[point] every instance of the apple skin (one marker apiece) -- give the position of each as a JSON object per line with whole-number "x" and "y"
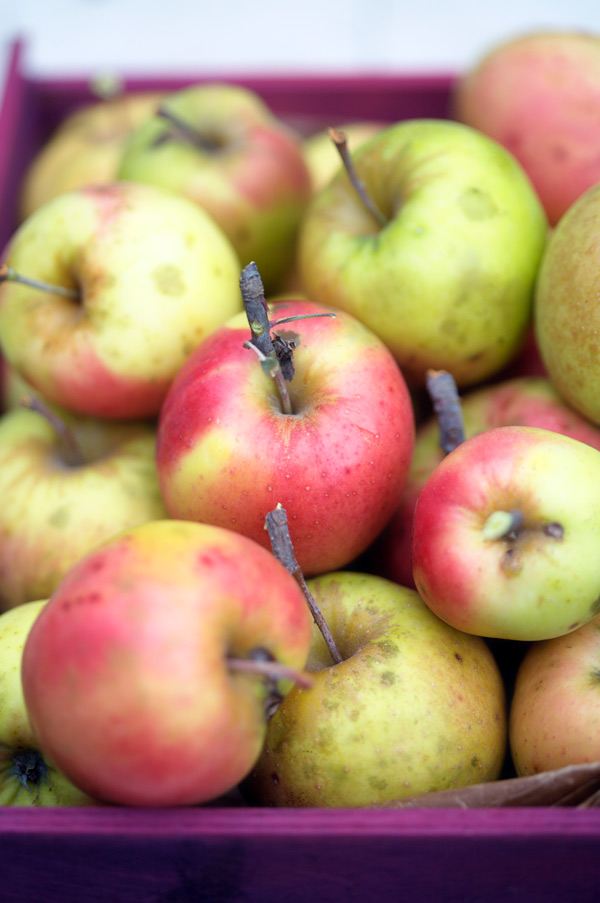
{"x": 554, "y": 718}
{"x": 537, "y": 582}
{"x": 52, "y": 512}
{"x": 85, "y": 148}
{"x": 125, "y": 673}
{"x": 227, "y": 454}
{"x": 322, "y": 157}
{"x": 566, "y": 315}
{"x": 521, "y": 401}
{"x": 156, "y": 276}
{"x": 447, "y": 283}
{"x": 40, "y": 784}
{"x": 415, "y": 706}
{"x": 538, "y": 94}
{"x": 252, "y": 178}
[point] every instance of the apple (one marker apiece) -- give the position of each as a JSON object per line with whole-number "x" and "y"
{"x": 538, "y": 94}
{"x": 133, "y": 674}
{"x": 150, "y": 274}
{"x": 444, "y": 275}
{"x": 26, "y": 778}
{"x": 555, "y": 706}
{"x": 66, "y": 486}
{"x": 220, "y": 145}
{"x": 506, "y": 535}
{"x": 85, "y": 148}
{"x": 321, "y": 156}
{"x": 413, "y": 707}
{"x": 337, "y": 460}
{"x": 566, "y": 316}
{"x": 521, "y": 401}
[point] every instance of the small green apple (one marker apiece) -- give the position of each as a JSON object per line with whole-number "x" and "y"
{"x": 414, "y": 706}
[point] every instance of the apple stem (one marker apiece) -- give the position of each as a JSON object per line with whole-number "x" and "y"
{"x": 71, "y": 451}
{"x": 340, "y": 140}
{"x": 185, "y": 132}
{"x": 448, "y": 409}
{"x": 8, "y": 274}
{"x": 271, "y": 367}
{"x": 501, "y": 524}
{"x": 281, "y": 542}
{"x": 272, "y": 670}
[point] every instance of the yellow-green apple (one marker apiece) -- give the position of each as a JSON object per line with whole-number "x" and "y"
{"x": 566, "y": 311}
{"x": 65, "y": 488}
{"x": 150, "y": 274}
{"x": 413, "y": 707}
{"x": 521, "y": 401}
{"x": 445, "y": 274}
{"x": 85, "y": 148}
{"x": 538, "y": 94}
{"x": 138, "y": 674}
{"x": 554, "y": 716}
{"x": 222, "y": 146}
{"x": 228, "y": 453}
{"x": 506, "y": 534}
{"x": 26, "y": 778}
{"x": 321, "y": 155}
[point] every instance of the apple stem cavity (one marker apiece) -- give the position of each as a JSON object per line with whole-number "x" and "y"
{"x": 272, "y": 368}
{"x": 340, "y": 140}
{"x": 261, "y": 662}
{"x": 29, "y": 766}
{"x": 276, "y": 523}
{"x": 443, "y": 393}
{"x": 8, "y": 274}
{"x": 71, "y": 453}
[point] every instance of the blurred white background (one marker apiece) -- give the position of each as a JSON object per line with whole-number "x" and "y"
{"x": 70, "y": 37}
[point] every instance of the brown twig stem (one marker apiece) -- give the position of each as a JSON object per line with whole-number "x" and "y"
{"x": 340, "y": 140}
{"x": 448, "y": 409}
{"x": 281, "y": 544}
{"x": 72, "y": 454}
{"x": 8, "y": 274}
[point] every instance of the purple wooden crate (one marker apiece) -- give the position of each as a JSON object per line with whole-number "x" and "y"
{"x": 236, "y": 854}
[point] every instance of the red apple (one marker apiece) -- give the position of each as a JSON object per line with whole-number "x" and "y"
{"x": 539, "y": 95}
{"x": 522, "y": 401}
{"x": 227, "y": 453}
{"x": 131, "y": 673}
{"x": 506, "y": 536}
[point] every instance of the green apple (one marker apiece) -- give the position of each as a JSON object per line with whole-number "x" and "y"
{"x": 220, "y": 145}
{"x": 85, "y": 148}
{"x": 26, "y": 777}
{"x": 554, "y": 717}
{"x": 566, "y": 310}
{"x": 445, "y": 275}
{"x": 414, "y": 706}
{"x": 150, "y": 273}
{"x": 60, "y": 501}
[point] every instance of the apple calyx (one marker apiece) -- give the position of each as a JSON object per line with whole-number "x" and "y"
{"x": 180, "y": 130}
{"x": 443, "y": 393}
{"x": 340, "y": 139}
{"x": 8, "y": 274}
{"x": 275, "y": 353}
{"x": 29, "y": 767}
{"x": 276, "y": 523}
{"x": 263, "y": 664}
{"x": 70, "y": 450}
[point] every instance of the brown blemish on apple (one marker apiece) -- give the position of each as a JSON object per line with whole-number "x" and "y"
{"x": 168, "y": 279}
{"x": 511, "y": 562}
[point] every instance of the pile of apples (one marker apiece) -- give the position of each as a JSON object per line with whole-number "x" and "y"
{"x": 300, "y": 435}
